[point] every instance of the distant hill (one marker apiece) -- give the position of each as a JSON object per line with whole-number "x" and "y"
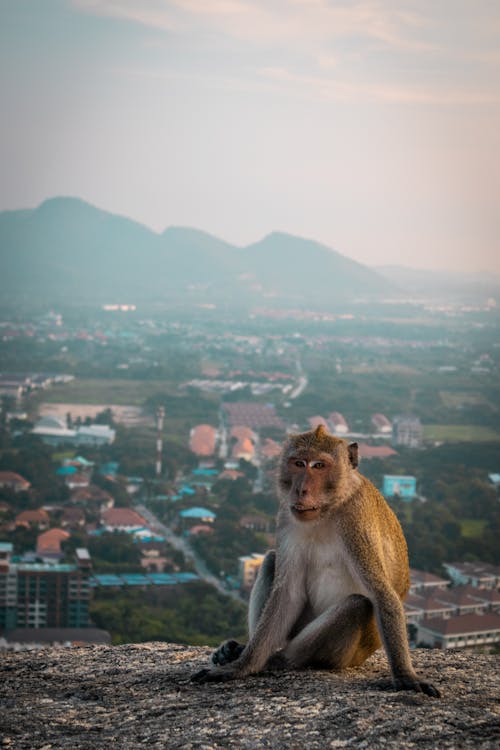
{"x": 68, "y": 250}
{"x": 472, "y": 287}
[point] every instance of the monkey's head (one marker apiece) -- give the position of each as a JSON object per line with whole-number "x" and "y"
{"x": 315, "y": 473}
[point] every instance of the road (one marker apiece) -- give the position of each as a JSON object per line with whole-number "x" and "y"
{"x": 181, "y": 543}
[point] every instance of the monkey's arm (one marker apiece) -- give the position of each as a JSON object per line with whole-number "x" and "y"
{"x": 281, "y": 612}
{"x": 389, "y": 613}
{"x": 392, "y": 627}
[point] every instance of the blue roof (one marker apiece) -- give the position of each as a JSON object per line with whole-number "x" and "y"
{"x": 187, "y": 490}
{"x": 140, "y": 579}
{"x": 197, "y": 513}
{"x": 205, "y": 472}
{"x": 63, "y": 471}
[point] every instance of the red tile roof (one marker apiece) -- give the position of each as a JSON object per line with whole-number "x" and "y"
{"x": 50, "y": 541}
{"x": 375, "y": 451}
{"x": 12, "y": 479}
{"x": 122, "y": 517}
{"x": 32, "y": 516}
{"x": 462, "y": 624}
{"x": 203, "y": 439}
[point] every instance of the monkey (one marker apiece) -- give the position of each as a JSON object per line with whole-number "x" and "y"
{"x": 331, "y": 592}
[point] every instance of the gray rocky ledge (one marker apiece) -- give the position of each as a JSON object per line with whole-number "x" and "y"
{"x": 140, "y": 695}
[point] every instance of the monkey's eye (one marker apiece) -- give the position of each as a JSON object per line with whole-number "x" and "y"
{"x": 318, "y": 465}
{"x": 301, "y": 464}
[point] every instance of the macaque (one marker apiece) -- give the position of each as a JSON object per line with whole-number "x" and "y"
{"x": 331, "y": 593}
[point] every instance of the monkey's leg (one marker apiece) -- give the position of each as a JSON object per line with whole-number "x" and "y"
{"x": 343, "y": 635}
{"x": 231, "y": 650}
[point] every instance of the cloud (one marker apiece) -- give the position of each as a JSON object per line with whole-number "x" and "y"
{"x": 303, "y": 22}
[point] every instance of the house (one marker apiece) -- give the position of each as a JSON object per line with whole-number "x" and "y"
{"x": 375, "y": 451}
{"x": 462, "y": 601}
{"x": 28, "y": 518}
{"x": 48, "y": 544}
{"x": 201, "y": 515}
{"x": 460, "y": 631}
{"x": 421, "y": 582}
{"x": 122, "y": 519}
{"x": 77, "y": 481}
{"x": 337, "y": 423}
{"x": 381, "y": 424}
{"x": 202, "y": 440}
{"x": 243, "y": 440}
{"x": 316, "y": 422}
{"x": 13, "y": 481}
{"x": 93, "y": 495}
{"x": 479, "y": 574}
{"x": 270, "y": 449}
{"x": 73, "y": 518}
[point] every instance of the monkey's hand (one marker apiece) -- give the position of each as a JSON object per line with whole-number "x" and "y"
{"x": 219, "y": 674}
{"x": 409, "y": 683}
{"x": 227, "y": 652}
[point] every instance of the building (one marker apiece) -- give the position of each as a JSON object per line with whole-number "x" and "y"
{"x": 248, "y": 567}
{"x": 317, "y": 421}
{"x": 375, "y": 451}
{"x": 28, "y": 518}
{"x": 201, "y": 515}
{"x": 337, "y": 423}
{"x": 54, "y": 431}
{"x": 407, "y": 430}
{"x": 254, "y": 415}
{"x": 203, "y": 440}
{"x": 404, "y": 487}
{"x": 382, "y": 425}
{"x": 122, "y": 519}
{"x": 461, "y": 631}
{"x": 422, "y": 582}
{"x": 44, "y": 595}
{"x": 478, "y": 574}
{"x": 13, "y": 481}
{"x": 48, "y": 544}
{"x": 242, "y": 441}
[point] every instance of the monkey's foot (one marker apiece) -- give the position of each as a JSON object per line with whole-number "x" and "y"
{"x": 418, "y": 686}
{"x": 227, "y": 652}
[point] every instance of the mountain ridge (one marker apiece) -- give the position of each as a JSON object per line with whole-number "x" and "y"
{"x": 67, "y": 248}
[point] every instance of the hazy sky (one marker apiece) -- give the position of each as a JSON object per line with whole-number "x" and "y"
{"x": 371, "y": 126}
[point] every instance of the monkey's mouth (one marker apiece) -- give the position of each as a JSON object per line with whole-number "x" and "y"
{"x": 305, "y": 513}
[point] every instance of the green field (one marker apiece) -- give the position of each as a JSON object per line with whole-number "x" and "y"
{"x": 472, "y": 527}
{"x": 113, "y": 391}
{"x": 459, "y": 433}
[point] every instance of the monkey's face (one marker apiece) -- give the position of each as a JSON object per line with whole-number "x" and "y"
{"x": 307, "y": 481}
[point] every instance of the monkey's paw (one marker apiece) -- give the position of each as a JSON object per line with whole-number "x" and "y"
{"x": 417, "y": 686}
{"x": 227, "y": 652}
{"x": 213, "y": 675}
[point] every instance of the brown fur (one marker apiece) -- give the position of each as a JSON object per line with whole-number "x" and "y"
{"x": 332, "y": 591}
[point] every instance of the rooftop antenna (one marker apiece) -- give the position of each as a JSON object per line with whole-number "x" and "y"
{"x": 160, "y": 416}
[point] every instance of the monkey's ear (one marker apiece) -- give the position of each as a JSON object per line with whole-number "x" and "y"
{"x": 353, "y": 454}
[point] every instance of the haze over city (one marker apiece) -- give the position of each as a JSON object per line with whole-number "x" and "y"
{"x": 373, "y": 127}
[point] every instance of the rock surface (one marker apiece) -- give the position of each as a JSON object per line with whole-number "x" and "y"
{"x": 140, "y": 695}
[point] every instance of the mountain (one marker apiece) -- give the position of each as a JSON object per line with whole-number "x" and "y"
{"x": 68, "y": 250}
